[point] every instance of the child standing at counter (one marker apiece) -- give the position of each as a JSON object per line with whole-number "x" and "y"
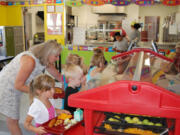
{"x": 42, "y": 107}
{"x": 121, "y": 43}
{"x": 74, "y": 76}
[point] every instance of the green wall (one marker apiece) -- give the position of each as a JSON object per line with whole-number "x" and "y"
{"x": 85, "y": 54}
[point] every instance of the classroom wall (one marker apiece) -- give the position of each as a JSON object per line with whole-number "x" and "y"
{"x": 134, "y": 13}
{"x": 59, "y": 38}
{"x": 36, "y": 27}
{"x": 178, "y": 9}
{"x": 85, "y": 16}
{"x": 10, "y": 16}
{"x": 3, "y": 15}
{"x": 157, "y": 10}
{"x": 14, "y": 16}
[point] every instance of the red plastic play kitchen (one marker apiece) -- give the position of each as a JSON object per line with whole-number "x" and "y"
{"x": 133, "y": 105}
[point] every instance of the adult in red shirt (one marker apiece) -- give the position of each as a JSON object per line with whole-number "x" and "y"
{"x": 117, "y": 28}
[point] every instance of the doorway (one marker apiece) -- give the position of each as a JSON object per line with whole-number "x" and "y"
{"x": 33, "y": 25}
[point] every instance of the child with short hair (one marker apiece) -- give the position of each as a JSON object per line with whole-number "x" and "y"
{"x": 74, "y": 76}
{"x": 42, "y": 104}
{"x": 77, "y": 60}
{"x": 121, "y": 43}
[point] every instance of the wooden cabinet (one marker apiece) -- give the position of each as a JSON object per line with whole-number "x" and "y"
{"x": 152, "y": 27}
{"x": 14, "y": 40}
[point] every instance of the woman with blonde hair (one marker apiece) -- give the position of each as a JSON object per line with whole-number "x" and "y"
{"x": 16, "y": 76}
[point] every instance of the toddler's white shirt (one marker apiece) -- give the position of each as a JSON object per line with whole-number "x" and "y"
{"x": 39, "y": 111}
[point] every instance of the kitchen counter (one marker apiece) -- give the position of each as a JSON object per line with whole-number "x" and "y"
{"x": 96, "y": 43}
{"x": 4, "y": 60}
{"x": 161, "y": 45}
{"x": 166, "y": 45}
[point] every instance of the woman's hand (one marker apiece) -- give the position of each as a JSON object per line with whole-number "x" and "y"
{"x": 40, "y": 130}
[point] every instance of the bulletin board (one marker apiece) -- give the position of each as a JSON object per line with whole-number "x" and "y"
{"x": 54, "y": 24}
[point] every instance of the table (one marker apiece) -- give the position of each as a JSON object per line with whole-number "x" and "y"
{"x": 4, "y": 60}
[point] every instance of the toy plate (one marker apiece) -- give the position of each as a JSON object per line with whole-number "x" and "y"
{"x": 57, "y": 130}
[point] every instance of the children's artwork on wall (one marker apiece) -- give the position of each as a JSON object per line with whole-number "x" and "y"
{"x": 49, "y": 1}
{"x": 121, "y": 2}
{"x": 75, "y": 48}
{"x": 59, "y": 8}
{"x": 171, "y": 2}
{"x": 90, "y": 48}
{"x": 50, "y": 9}
{"x": 54, "y": 23}
{"x": 85, "y": 48}
{"x": 10, "y": 3}
{"x": 74, "y": 3}
{"x": 70, "y": 48}
{"x": 59, "y": 1}
{"x": 95, "y": 2}
{"x": 144, "y": 2}
{"x": 39, "y": 1}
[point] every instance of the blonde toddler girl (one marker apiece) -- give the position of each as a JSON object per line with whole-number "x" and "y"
{"x": 42, "y": 108}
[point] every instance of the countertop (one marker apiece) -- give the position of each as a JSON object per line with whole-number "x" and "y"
{"x": 161, "y": 45}
{"x": 96, "y": 43}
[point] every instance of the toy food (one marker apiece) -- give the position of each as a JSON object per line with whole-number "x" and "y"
{"x": 139, "y": 131}
{"x": 58, "y": 122}
{"x": 107, "y": 126}
{"x": 58, "y": 90}
{"x": 64, "y": 116}
{"x": 112, "y": 119}
{"x": 51, "y": 123}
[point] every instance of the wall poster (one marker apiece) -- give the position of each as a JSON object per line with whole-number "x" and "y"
{"x": 54, "y": 23}
{"x": 50, "y": 9}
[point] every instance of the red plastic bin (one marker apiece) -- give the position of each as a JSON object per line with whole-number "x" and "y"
{"x": 128, "y": 97}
